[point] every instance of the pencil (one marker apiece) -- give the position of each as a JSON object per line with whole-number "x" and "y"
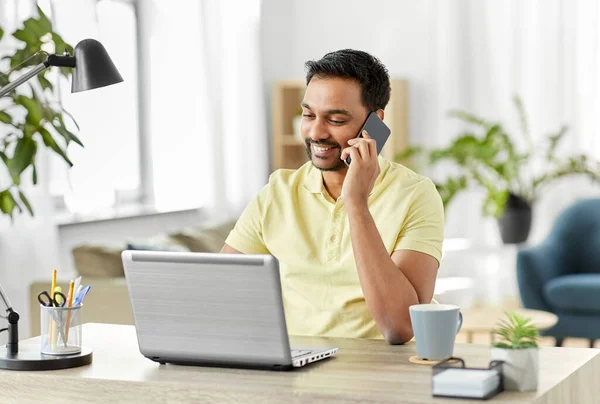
{"x": 51, "y": 328}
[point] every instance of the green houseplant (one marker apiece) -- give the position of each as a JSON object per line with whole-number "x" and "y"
{"x": 33, "y": 114}
{"x": 487, "y": 157}
{"x": 518, "y": 349}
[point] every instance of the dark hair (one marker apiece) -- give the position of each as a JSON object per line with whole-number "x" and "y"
{"x": 370, "y": 73}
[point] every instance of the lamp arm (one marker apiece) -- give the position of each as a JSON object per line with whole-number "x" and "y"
{"x": 65, "y": 60}
{"x": 13, "y": 325}
{"x": 22, "y": 79}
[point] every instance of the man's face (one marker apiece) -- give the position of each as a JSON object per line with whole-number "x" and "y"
{"x": 332, "y": 114}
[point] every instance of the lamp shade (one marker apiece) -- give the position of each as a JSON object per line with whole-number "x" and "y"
{"x": 93, "y": 67}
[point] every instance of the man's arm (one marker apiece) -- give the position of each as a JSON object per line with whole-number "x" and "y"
{"x": 227, "y": 249}
{"x": 247, "y": 235}
{"x": 390, "y": 284}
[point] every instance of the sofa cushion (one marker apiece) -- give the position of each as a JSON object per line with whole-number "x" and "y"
{"x": 574, "y": 293}
{"x": 98, "y": 261}
{"x": 160, "y": 242}
{"x": 204, "y": 239}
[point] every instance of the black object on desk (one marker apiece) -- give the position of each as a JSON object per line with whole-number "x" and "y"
{"x": 453, "y": 379}
{"x": 28, "y": 356}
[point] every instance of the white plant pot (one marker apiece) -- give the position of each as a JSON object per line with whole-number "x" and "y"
{"x": 520, "y": 368}
{"x": 297, "y": 121}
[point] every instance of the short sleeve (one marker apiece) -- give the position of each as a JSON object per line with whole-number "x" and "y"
{"x": 423, "y": 229}
{"x": 247, "y": 234}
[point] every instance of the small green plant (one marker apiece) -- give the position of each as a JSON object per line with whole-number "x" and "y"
{"x": 516, "y": 332}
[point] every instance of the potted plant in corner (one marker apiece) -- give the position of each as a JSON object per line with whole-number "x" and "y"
{"x": 33, "y": 116}
{"x": 518, "y": 349}
{"x": 488, "y": 158}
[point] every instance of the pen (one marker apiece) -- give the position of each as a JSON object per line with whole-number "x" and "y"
{"x": 81, "y": 296}
{"x": 77, "y": 285}
{"x": 70, "y": 304}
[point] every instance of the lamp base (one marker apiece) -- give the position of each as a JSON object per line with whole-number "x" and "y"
{"x": 30, "y": 358}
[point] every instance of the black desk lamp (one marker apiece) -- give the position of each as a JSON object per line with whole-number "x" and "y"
{"x": 92, "y": 68}
{"x": 13, "y": 328}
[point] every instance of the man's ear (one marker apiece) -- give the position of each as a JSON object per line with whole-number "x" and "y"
{"x": 379, "y": 113}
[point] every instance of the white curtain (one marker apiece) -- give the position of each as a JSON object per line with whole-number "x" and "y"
{"x": 546, "y": 51}
{"x": 207, "y": 109}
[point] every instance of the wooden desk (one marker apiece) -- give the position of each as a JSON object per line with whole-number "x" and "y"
{"x": 363, "y": 371}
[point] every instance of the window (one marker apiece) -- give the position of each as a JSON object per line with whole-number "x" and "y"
{"x": 107, "y": 170}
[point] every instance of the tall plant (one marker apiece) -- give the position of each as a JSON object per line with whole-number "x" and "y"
{"x": 31, "y": 116}
{"x": 487, "y": 157}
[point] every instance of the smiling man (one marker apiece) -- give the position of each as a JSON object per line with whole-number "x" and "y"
{"x": 356, "y": 245}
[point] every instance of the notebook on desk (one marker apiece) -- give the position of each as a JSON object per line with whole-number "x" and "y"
{"x": 212, "y": 309}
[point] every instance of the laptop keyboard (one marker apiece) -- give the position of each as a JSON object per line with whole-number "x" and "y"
{"x": 299, "y": 352}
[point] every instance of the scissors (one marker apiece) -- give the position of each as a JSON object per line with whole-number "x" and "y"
{"x": 59, "y": 299}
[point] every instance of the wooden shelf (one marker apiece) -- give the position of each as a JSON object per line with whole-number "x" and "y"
{"x": 287, "y": 96}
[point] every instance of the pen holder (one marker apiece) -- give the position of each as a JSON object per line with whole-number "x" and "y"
{"x": 61, "y": 330}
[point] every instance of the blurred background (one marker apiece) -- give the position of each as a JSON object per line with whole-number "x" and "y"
{"x": 497, "y": 101}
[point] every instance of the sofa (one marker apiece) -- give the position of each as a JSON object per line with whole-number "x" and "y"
{"x": 101, "y": 267}
{"x": 562, "y": 274}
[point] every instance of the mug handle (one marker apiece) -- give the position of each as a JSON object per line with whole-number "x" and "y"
{"x": 460, "y": 321}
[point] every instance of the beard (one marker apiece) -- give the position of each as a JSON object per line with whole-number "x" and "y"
{"x": 332, "y": 163}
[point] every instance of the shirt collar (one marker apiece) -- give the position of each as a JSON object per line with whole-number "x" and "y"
{"x": 313, "y": 182}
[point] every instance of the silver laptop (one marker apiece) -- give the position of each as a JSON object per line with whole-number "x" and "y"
{"x": 212, "y": 310}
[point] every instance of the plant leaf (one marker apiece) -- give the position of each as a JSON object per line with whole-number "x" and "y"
{"x": 23, "y": 58}
{"x": 68, "y": 136}
{"x": 26, "y": 35}
{"x": 67, "y": 113}
{"x": 34, "y": 174}
{"x": 451, "y": 188}
{"x": 5, "y": 160}
{"x": 409, "y": 152}
{"x": 468, "y": 117}
{"x": 45, "y": 23}
{"x": 26, "y": 202}
{"x": 44, "y": 82}
{"x": 554, "y": 141}
{"x": 5, "y": 118}
{"x": 516, "y": 331}
{"x": 1, "y": 33}
{"x": 7, "y": 202}
{"x": 60, "y": 47}
{"x": 23, "y": 157}
{"x": 50, "y": 142}
{"x": 34, "y": 110}
{"x": 522, "y": 115}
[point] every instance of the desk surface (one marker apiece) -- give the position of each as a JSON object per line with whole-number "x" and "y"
{"x": 363, "y": 371}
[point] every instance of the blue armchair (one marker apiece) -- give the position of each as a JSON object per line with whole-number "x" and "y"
{"x": 562, "y": 274}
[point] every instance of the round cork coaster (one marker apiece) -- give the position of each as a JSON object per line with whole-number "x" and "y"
{"x": 416, "y": 360}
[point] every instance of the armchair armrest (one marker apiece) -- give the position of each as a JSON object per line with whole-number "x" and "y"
{"x": 535, "y": 267}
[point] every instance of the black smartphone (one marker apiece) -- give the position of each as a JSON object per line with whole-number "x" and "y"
{"x": 377, "y": 129}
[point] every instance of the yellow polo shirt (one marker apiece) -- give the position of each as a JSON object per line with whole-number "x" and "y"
{"x": 295, "y": 219}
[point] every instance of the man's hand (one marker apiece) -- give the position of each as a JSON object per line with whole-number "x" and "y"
{"x": 363, "y": 171}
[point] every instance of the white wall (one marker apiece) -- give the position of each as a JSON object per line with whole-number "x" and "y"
{"x": 455, "y": 54}
{"x": 405, "y": 35}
